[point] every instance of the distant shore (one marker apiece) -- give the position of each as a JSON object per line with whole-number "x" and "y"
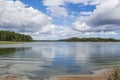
{"x": 75, "y": 39}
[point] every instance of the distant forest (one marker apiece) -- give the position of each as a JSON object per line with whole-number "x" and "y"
{"x": 75, "y": 39}
{"x": 12, "y": 36}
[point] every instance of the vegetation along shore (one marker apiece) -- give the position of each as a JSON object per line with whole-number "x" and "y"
{"x": 7, "y": 37}
{"x": 75, "y": 39}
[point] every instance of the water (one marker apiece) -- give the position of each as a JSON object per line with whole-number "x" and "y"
{"x": 40, "y": 60}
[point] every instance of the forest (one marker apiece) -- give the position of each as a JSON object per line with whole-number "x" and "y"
{"x": 13, "y": 36}
{"x": 75, "y": 39}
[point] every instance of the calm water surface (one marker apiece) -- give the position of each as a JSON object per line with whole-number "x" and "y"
{"x": 43, "y": 59}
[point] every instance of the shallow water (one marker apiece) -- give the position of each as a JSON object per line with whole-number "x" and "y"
{"x": 39, "y": 60}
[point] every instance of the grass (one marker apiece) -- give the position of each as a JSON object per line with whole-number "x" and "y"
{"x": 115, "y": 75}
{"x": 10, "y": 42}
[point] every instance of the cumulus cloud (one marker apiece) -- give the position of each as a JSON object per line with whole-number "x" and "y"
{"x": 53, "y": 32}
{"x": 53, "y": 2}
{"x": 109, "y": 12}
{"x": 85, "y": 13}
{"x": 80, "y": 26}
{"x": 105, "y": 17}
{"x": 17, "y": 16}
{"x": 58, "y": 7}
{"x": 14, "y": 15}
{"x": 55, "y": 7}
{"x": 108, "y": 33}
{"x": 57, "y": 11}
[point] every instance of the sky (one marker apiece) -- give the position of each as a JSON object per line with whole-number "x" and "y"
{"x": 61, "y": 19}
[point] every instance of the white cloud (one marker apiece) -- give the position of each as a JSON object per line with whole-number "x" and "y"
{"x": 62, "y": 2}
{"x": 14, "y": 15}
{"x": 57, "y": 11}
{"x": 60, "y": 5}
{"x": 54, "y": 7}
{"x": 85, "y": 2}
{"x": 102, "y": 21}
{"x": 106, "y": 13}
{"x": 105, "y": 17}
{"x": 96, "y": 2}
{"x": 57, "y": 7}
{"x": 48, "y": 29}
{"x": 53, "y": 2}
{"x": 55, "y": 32}
{"x": 108, "y": 33}
{"x": 80, "y": 26}
{"x": 85, "y": 13}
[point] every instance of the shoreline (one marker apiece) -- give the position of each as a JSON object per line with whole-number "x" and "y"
{"x": 101, "y": 74}
{"x": 10, "y": 42}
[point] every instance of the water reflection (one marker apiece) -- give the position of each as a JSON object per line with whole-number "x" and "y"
{"x": 10, "y": 52}
{"x": 7, "y": 51}
{"x": 44, "y": 59}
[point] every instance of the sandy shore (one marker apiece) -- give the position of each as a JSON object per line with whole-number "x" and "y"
{"x": 102, "y": 74}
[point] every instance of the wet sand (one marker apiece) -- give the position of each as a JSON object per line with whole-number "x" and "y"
{"x": 102, "y": 74}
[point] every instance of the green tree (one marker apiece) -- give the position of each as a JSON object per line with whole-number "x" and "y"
{"x": 12, "y": 36}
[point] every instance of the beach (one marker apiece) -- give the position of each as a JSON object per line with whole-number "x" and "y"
{"x": 102, "y": 74}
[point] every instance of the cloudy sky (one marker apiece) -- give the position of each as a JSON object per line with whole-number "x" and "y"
{"x": 58, "y": 19}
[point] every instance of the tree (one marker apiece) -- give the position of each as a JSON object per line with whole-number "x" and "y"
{"x": 12, "y": 36}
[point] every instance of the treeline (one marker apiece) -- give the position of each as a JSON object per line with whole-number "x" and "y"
{"x": 75, "y": 39}
{"x": 12, "y": 36}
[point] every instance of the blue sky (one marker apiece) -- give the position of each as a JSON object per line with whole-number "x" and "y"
{"x": 74, "y": 9}
{"x": 36, "y": 4}
{"x": 58, "y": 19}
